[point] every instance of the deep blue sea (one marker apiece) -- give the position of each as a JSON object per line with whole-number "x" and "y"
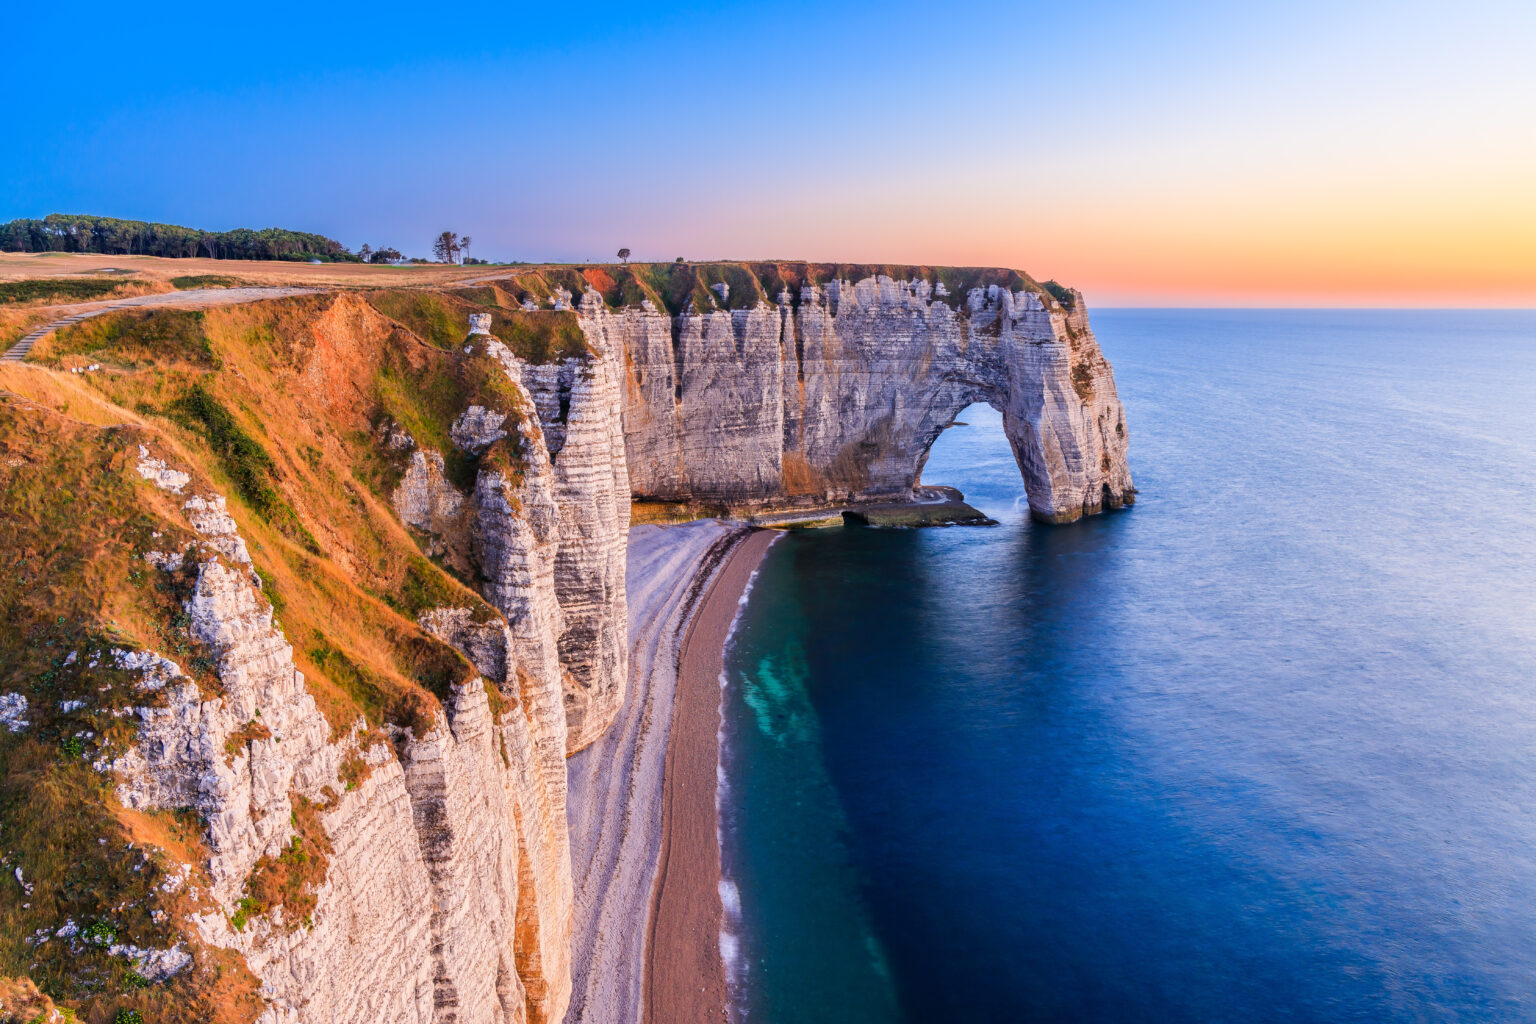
{"x": 1262, "y": 748}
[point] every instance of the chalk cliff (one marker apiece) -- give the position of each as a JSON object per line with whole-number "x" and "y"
{"x": 356, "y": 588}
{"x": 446, "y": 893}
{"x": 837, "y": 394}
{"x": 578, "y": 403}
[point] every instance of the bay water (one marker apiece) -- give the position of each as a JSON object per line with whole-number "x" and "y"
{"x": 1262, "y": 748}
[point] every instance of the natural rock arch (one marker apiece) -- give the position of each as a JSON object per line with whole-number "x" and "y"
{"x": 838, "y": 397}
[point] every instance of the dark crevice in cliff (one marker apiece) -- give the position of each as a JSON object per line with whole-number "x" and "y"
{"x": 739, "y": 330}
{"x": 794, "y": 321}
{"x": 677, "y": 358}
{"x": 426, "y": 786}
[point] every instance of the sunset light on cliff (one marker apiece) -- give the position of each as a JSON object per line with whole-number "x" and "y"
{"x": 770, "y": 512}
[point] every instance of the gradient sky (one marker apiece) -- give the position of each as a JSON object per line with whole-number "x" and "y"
{"x": 1209, "y": 153}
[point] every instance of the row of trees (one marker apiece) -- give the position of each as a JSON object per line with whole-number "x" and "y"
{"x": 62, "y": 232}
{"x": 59, "y": 232}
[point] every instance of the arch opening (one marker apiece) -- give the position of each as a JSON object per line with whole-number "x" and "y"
{"x": 973, "y": 455}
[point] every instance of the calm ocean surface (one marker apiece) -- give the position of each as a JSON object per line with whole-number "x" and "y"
{"x": 1262, "y": 748}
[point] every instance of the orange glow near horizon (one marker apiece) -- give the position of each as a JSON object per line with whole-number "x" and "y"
{"x": 1383, "y": 247}
{"x": 1178, "y": 154}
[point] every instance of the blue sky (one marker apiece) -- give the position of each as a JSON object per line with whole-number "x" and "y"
{"x": 1197, "y": 151}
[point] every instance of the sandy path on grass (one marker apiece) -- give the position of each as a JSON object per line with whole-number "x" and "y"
{"x": 192, "y": 298}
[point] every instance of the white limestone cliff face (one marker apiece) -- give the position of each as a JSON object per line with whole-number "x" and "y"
{"x": 580, "y": 438}
{"x": 839, "y": 397}
{"x": 515, "y": 534}
{"x": 547, "y": 539}
{"x": 594, "y": 518}
{"x": 182, "y": 760}
{"x": 448, "y": 891}
{"x": 424, "y": 498}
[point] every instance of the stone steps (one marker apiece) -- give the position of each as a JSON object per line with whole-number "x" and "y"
{"x": 17, "y": 352}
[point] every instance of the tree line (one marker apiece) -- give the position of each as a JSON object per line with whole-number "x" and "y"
{"x": 61, "y": 232}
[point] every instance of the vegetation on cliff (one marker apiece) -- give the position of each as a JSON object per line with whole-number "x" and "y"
{"x": 83, "y": 874}
{"x": 439, "y": 317}
{"x": 287, "y": 408}
{"x": 674, "y": 287}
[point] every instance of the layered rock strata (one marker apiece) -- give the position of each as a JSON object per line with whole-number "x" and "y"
{"x": 837, "y": 395}
{"x": 548, "y": 541}
{"x": 447, "y": 896}
{"x": 579, "y": 411}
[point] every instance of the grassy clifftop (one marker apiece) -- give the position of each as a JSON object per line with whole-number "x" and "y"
{"x": 672, "y": 286}
{"x": 284, "y": 407}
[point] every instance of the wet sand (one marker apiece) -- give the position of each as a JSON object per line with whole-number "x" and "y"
{"x": 685, "y": 976}
{"x": 619, "y": 786}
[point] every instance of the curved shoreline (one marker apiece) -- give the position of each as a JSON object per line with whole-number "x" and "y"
{"x": 625, "y": 822}
{"x": 685, "y": 980}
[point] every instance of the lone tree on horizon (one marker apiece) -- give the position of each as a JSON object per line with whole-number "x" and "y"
{"x": 624, "y": 255}
{"x": 448, "y": 246}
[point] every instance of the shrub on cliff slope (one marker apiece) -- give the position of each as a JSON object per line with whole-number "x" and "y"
{"x": 440, "y": 317}
{"x": 138, "y": 337}
{"x": 242, "y": 458}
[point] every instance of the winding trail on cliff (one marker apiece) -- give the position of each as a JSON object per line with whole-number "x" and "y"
{"x": 193, "y": 298}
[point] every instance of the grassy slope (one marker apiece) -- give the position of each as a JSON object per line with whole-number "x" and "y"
{"x": 280, "y": 406}
{"x": 55, "y": 291}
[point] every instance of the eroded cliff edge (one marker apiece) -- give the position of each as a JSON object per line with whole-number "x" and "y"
{"x": 311, "y": 598}
{"x": 836, "y": 394}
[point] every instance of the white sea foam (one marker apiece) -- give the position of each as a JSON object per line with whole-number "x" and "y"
{"x": 730, "y": 899}
{"x": 729, "y": 951}
{"x": 730, "y": 896}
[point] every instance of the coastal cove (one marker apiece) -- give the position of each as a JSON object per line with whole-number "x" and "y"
{"x": 1255, "y": 749}
{"x": 387, "y": 535}
{"x": 464, "y": 563}
{"x": 374, "y": 583}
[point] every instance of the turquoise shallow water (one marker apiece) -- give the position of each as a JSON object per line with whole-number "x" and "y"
{"x": 1261, "y": 748}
